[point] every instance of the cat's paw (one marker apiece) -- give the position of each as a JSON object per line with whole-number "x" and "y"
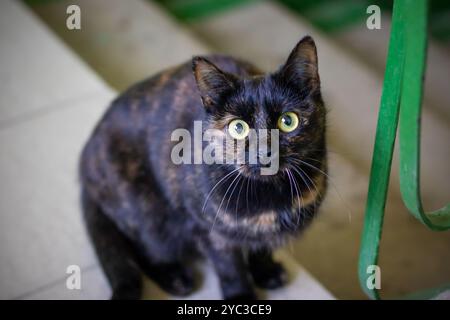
{"x": 241, "y": 296}
{"x": 175, "y": 279}
{"x": 271, "y": 276}
{"x": 127, "y": 291}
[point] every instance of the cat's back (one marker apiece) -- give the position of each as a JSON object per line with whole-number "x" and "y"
{"x": 175, "y": 89}
{"x": 151, "y": 109}
{"x": 170, "y": 97}
{"x": 158, "y": 105}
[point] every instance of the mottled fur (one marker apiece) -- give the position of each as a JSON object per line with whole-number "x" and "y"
{"x": 145, "y": 213}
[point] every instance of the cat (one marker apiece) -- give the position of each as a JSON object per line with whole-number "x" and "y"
{"x": 146, "y": 214}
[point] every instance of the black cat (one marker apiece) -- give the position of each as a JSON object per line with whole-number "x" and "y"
{"x": 146, "y": 213}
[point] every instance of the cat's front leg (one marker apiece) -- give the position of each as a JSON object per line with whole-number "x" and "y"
{"x": 230, "y": 266}
{"x": 266, "y": 272}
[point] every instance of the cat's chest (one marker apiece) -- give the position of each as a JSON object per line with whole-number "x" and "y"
{"x": 289, "y": 210}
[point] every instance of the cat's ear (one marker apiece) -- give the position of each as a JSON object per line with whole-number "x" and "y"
{"x": 212, "y": 82}
{"x": 302, "y": 67}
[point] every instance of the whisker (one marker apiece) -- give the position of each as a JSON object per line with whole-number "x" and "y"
{"x": 232, "y": 192}
{"x": 290, "y": 187}
{"x": 237, "y": 201}
{"x": 215, "y": 186}
{"x": 330, "y": 180}
{"x": 328, "y": 150}
{"x": 299, "y": 197}
{"x": 306, "y": 183}
{"x": 302, "y": 202}
{"x": 223, "y": 199}
{"x": 246, "y": 193}
{"x": 316, "y": 160}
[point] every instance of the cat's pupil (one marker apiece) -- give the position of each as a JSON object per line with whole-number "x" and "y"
{"x": 239, "y": 128}
{"x": 287, "y": 120}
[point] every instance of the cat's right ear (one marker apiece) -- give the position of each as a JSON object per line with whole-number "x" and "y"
{"x": 301, "y": 67}
{"x": 212, "y": 82}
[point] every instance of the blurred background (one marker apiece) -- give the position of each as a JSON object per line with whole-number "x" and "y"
{"x": 57, "y": 82}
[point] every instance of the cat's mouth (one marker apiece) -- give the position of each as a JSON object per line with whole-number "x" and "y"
{"x": 254, "y": 170}
{"x": 265, "y": 167}
{"x": 263, "y": 172}
{"x": 269, "y": 171}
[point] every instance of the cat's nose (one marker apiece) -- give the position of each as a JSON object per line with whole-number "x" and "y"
{"x": 264, "y": 158}
{"x": 266, "y": 154}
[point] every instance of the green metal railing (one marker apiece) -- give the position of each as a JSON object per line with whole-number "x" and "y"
{"x": 401, "y": 100}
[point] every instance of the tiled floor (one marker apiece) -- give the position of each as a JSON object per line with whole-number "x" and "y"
{"x": 48, "y": 108}
{"x": 22, "y": 45}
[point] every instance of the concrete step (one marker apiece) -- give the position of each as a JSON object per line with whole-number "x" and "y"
{"x": 123, "y": 42}
{"x": 301, "y": 286}
{"x": 41, "y": 227}
{"x": 19, "y": 37}
{"x": 50, "y": 103}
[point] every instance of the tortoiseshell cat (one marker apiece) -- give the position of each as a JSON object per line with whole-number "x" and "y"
{"x": 145, "y": 213}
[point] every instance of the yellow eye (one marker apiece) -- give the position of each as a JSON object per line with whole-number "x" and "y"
{"x": 238, "y": 129}
{"x": 288, "y": 122}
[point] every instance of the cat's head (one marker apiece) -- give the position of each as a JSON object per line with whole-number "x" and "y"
{"x": 288, "y": 100}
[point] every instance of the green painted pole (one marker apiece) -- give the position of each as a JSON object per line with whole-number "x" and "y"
{"x": 401, "y": 98}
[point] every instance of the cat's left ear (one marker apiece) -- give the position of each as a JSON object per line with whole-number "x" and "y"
{"x": 212, "y": 82}
{"x": 302, "y": 67}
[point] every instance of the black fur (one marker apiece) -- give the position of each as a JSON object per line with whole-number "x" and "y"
{"x": 145, "y": 214}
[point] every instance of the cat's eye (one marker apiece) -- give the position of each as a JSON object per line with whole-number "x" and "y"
{"x": 288, "y": 122}
{"x": 238, "y": 129}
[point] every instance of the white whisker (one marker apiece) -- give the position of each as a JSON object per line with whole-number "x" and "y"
{"x": 215, "y": 186}
{"x": 223, "y": 199}
{"x": 330, "y": 180}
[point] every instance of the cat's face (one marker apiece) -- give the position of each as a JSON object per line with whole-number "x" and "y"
{"x": 288, "y": 101}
